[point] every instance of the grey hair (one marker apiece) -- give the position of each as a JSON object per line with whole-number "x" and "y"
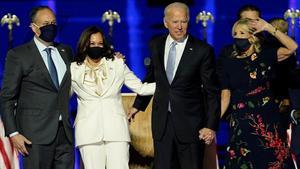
{"x": 177, "y": 5}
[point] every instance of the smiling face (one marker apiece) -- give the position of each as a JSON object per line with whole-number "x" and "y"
{"x": 176, "y": 21}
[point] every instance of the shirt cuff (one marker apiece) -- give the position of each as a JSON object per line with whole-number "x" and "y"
{"x": 294, "y": 121}
{"x": 13, "y": 134}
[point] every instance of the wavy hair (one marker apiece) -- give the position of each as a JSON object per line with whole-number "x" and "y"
{"x": 255, "y": 41}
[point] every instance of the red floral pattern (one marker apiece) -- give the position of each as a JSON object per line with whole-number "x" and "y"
{"x": 270, "y": 140}
{"x": 256, "y": 91}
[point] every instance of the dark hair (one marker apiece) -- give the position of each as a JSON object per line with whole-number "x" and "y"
{"x": 34, "y": 11}
{"x": 84, "y": 43}
{"x": 248, "y": 7}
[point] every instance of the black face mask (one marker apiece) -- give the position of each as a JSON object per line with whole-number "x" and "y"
{"x": 96, "y": 52}
{"x": 48, "y": 33}
{"x": 241, "y": 44}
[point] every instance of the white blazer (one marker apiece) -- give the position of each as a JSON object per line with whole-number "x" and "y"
{"x": 102, "y": 117}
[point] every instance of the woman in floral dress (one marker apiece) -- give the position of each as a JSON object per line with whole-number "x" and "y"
{"x": 257, "y": 141}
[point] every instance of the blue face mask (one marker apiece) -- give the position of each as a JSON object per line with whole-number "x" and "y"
{"x": 242, "y": 44}
{"x": 48, "y": 32}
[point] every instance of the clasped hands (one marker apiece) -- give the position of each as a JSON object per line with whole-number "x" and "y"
{"x": 207, "y": 135}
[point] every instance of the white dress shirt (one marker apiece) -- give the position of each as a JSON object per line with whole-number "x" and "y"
{"x": 179, "y": 51}
{"x": 56, "y": 57}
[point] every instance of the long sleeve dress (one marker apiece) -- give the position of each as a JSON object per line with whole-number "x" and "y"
{"x": 257, "y": 140}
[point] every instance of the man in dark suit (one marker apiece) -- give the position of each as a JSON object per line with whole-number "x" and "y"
{"x": 35, "y": 96}
{"x": 295, "y": 114}
{"x": 184, "y": 71}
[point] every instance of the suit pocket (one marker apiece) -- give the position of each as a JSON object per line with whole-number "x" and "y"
{"x": 31, "y": 112}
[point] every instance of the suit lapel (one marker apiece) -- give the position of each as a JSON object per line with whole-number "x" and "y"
{"x": 184, "y": 58}
{"x": 161, "y": 55}
{"x": 40, "y": 64}
{"x": 110, "y": 76}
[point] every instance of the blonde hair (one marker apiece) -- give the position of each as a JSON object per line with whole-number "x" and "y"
{"x": 254, "y": 40}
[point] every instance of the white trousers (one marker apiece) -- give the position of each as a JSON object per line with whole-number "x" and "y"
{"x": 105, "y": 155}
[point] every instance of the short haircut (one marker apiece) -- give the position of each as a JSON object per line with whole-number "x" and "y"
{"x": 248, "y": 7}
{"x": 177, "y": 5}
{"x": 280, "y": 24}
{"x": 34, "y": 11}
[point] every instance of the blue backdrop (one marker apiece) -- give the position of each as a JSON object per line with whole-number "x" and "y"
{"x": 139, "y": 23}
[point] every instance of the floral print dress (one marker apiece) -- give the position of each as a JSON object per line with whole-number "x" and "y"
{"x": 257, "y": 141}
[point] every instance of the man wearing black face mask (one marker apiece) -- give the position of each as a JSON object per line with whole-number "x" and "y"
{"x": 35, "y": 94}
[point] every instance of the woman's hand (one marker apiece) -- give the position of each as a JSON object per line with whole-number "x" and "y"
{"x": 259, "y": 25}
{"x": 119, "y": 56}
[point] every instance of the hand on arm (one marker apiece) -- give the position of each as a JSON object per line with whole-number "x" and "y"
{"x": 119, "y": 56}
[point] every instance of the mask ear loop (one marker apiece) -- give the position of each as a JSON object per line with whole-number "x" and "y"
{"x": 34, "y": 25}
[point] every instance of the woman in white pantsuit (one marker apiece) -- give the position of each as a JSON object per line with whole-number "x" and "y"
{"x": 101, "y": 125}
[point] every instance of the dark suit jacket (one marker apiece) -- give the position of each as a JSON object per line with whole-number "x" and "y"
{"x": 195, "y": 77}
{"x": 30, "y": 102}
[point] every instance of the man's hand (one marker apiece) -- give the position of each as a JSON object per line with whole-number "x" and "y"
{"x": 207, "y": 135}
{"x": 285, "y": 106}
{"x": 19, "y": 142}
{"x": 131, "y": 113}
{"x": 296, "y": 115}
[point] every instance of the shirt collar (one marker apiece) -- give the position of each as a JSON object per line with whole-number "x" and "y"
{"x": 41, "y": 47}
{"x": 170, "y": 40}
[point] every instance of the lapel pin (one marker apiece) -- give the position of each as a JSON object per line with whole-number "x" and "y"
{"x": 191, "y": 48}
{"x": 63, "y": 50}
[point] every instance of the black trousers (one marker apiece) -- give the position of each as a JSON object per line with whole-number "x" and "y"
{"x": 57, "y": 155}
{"x": 170, "y": 153}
